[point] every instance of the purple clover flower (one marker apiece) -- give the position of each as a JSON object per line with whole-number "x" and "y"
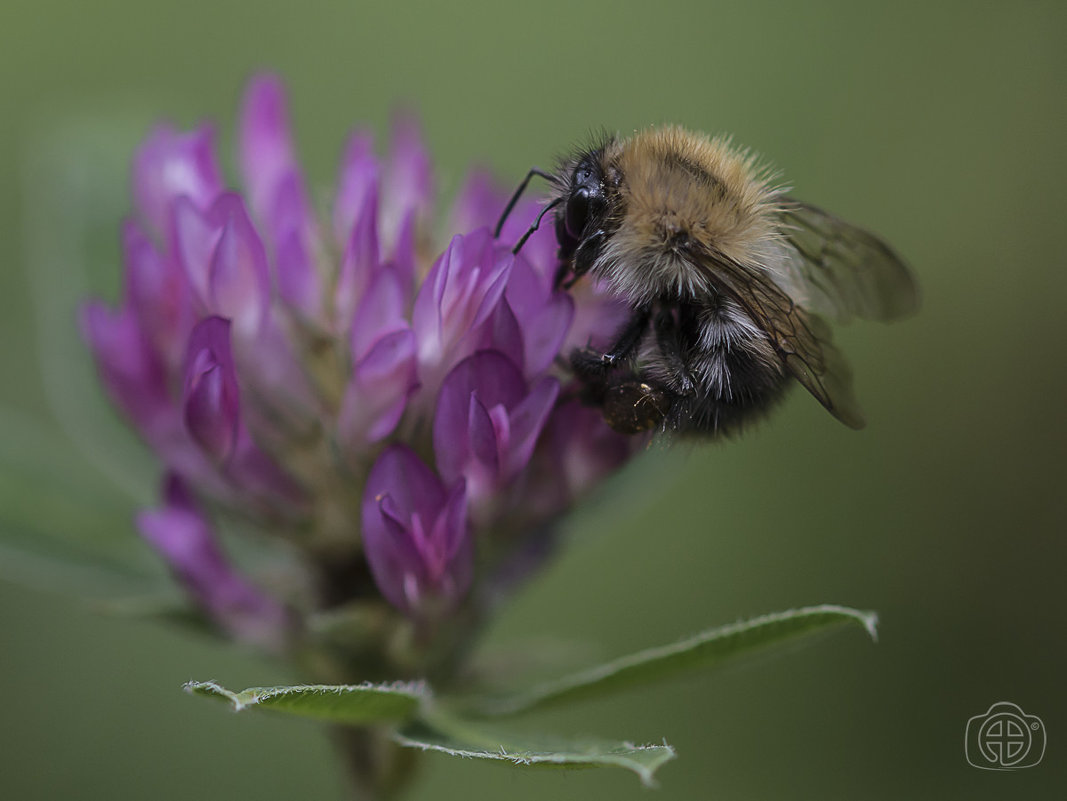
{"x": 487, "y": 423}
{"x": 182, "y": 535}
{"x": 327, "y": 383}
{"x": 416, "y": 533}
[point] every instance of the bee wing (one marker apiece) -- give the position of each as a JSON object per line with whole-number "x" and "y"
{"x": 801, "y": 339}
{"x": 834, "y": 268}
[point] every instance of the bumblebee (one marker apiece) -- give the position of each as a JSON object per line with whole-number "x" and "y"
{"x": 728, "y": 280}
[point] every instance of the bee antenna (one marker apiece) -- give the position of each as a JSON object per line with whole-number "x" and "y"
{"x": 518, "y": 245}
{"x": 515, "y": 197}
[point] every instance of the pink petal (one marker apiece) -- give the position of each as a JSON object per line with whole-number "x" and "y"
{"x": 171, "y": 165}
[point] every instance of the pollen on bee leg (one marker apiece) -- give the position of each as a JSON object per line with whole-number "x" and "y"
{"x": 632, "y": 406}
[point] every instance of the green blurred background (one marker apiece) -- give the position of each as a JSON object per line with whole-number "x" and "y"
{"x": 940, "y": 125}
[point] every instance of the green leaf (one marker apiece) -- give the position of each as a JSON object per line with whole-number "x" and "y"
{"x": 341, "y": 703}
{"x": 430, "y": 729}
{"x": 705, "y": 650}
{"x": 502, "y": 671}
{"x": 455, "y": 738}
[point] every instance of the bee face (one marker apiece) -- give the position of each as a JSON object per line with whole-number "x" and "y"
{"x": 727, "y": 279}
{"x": 584, "y": 199}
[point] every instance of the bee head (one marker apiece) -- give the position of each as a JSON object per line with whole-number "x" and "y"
{"x": 583, "y": 202}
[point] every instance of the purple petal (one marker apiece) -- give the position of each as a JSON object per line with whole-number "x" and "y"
{"x": 460, "y": 293}
{"x": 413, "y": 486}
{"x": 360, "y": 175}
{"x": 217, "y": 424}
{"x": 544, "y": 316}
{"x": 453, "y": 568}
{"x": 182, "y": 535}
{"x": 216, "y": 421}
{"x": 176, "y": 494}
{"x": 360, "y": 263}
{"x": 495, "y": 381}
{"x": 478, "y": 452}
{"x": 580, "y": 450}
{"x": 527, "y": 289}
{"x": 210, "y": 411}
{"x": 545, "y": 331}
{"x": 478, "y": 203}
{"x": 299, "y": 285}
{"x": 294, "y": 239}
{"x": 268, "y": 365}
{"x": 170, "y": 165}
{"x": 397, "y": 564}
{"x": 195, "y": 240}
{"x": 239, "y": 284}
{"x": 491, "y": 375}
{"x": 415, "y": 534}
{"x": 211, "y": 400}
{"x": 135, "y": 380}
{"x": 378, "y": 392}
{"x": 266, "y": 146}
{"x": 289, "y": 208}
{"x": 598, "y": 317}
{"x": 450, "y": 530}
{"x": 381, "y": 311}
{"x": 484, "y": 431}
{"x": 277, "y": 194}
{"x": 527, "y": 421}
{"x": 408, "y": 180}
{"x": 502, "y": 332}
{"x": 255, "y": 472}
{"x": 224, "y": 261}
{"x": 541, "y": 247}
{"x": 159, "y": 294}
{"x": 405, "y": 256}
{"x": 495, "y": 283}
{"x": 130, "y": 370}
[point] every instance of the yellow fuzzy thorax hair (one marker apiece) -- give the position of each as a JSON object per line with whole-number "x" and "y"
{"x": 678, "y": 183}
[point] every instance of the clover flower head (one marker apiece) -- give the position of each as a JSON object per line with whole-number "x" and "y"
{"x": 320, "y": 377}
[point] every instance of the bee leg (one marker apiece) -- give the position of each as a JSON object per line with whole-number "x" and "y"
{"x": 584, "y": 257}
{"x": 631, "y": 406}
{"x": 589, "y": 363}
{"x": 672, "y": 352}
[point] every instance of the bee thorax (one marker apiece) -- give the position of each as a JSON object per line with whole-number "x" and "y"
{"x": 664, "y": 269}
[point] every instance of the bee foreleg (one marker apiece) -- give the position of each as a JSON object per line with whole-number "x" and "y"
{"x": 586, "y": 253}
{"x": 588, "y": 362}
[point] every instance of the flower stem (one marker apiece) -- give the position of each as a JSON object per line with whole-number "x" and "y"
{"x": 378, "y": 769}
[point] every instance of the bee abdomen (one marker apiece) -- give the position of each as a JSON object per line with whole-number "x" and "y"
{"x": 737, "y": 374}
